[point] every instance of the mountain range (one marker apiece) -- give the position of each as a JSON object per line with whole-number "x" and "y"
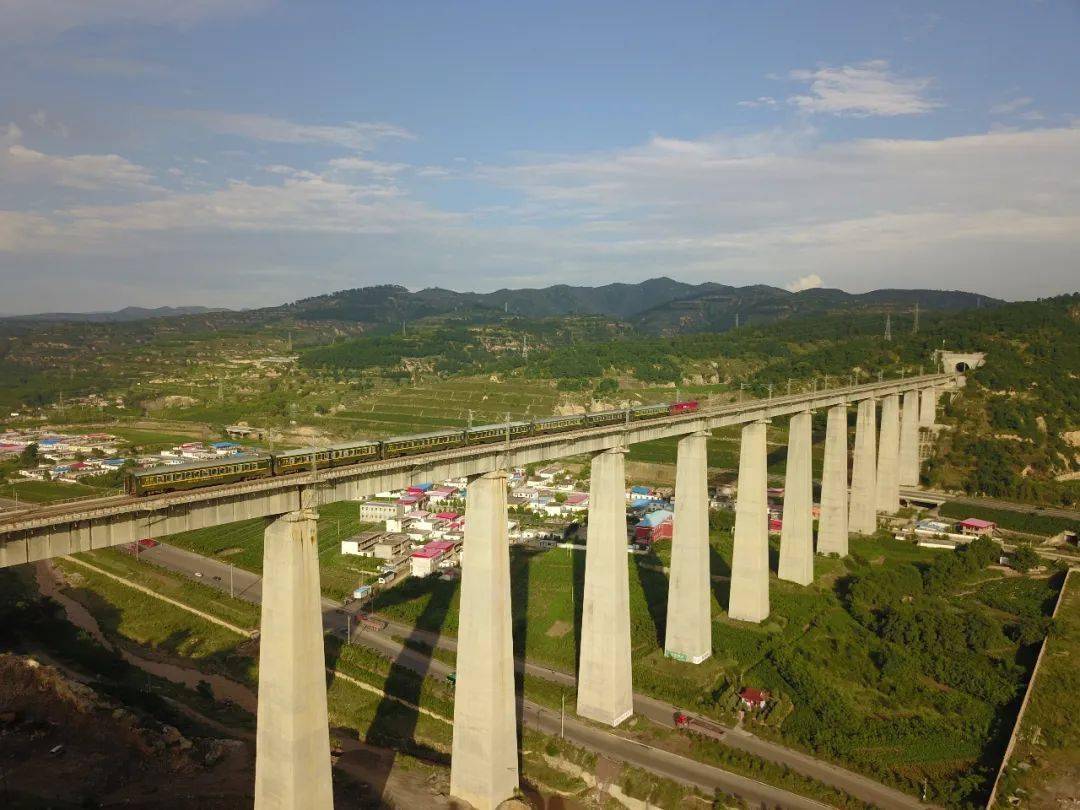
{"x": 656, "y": 306}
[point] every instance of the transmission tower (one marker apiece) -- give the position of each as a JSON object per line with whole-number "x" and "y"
{"x": 915, "y": 326}
{"x": 888, "y": 327}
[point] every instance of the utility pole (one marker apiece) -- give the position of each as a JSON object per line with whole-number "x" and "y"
{"x": 562, "y": 717}
{"x": 770, "y": 390}
{"x": 470, "y": 418}
{"x": 741, "y": 387}
{"x": 880, "y": 376}
{"x": 888, "y": 328}
{"x": 826, "y": 383}
{"x": 789, "y": 386}
{"x": 915, "y": 327}
{"x": 525, "y": 346}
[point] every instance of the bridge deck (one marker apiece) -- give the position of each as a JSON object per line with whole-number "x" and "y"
{"x": 41, "y": 532}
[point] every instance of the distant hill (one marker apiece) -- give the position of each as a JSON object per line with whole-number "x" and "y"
{"x": 119, "y": 316}
{"x": 657, "y": 306}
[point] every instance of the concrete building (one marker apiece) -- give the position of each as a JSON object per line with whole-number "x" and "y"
{"x": 378, "y": 511}
{"x": 428, "y": 559}
{"x": 391, "y": 545}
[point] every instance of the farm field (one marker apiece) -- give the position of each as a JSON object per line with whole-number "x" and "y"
{"x": 1044, "y": 769}
{"x": 445, "y": 404}
{"x": 241, "y": 544}
{"x": 825, "y": 666}
{"x": 49, "y": 491}
{"x": 1027, "y": 522}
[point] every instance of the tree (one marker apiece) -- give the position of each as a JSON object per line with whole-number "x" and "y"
{"x": 29, "y": 457}
{"x": 1024, "y": 558}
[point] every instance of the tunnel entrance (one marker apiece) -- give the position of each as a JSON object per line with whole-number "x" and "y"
{"x": 961, "y": 367}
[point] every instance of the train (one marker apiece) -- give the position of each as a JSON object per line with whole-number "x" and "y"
{"x": 252, "y": 466}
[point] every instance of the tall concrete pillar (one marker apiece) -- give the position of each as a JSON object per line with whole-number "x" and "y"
{"x": 483, "y": 762}
{"x": 862, "y": 515}
{"x": 833, "y": 523}
{"x": 797, "y": 532}
{"x": 909, "y": 440}
{"x": 928, "y": 407}
{"x": 887, "y": 499}
{"x": 292, "y": 754}
{"x": 749, "y": 599}
{"x": 605, "y": 690}
{"x": 688, "y": 636}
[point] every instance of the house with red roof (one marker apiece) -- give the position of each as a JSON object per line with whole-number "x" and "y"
{"x": 976, "y": 527}
{"x": 754, "y": 699}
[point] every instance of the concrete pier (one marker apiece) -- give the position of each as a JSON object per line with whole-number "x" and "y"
{"x": 833, "y": 523}
{"x": 887, "y": 499}
{"x": 862, "y": 516}
{"x": 605, "y": 690}
{"x": 484, "y": 759}
{"x": 688, "y": 636}
{"x": 797, "y": 532}
{"x": 750, "y": 556}
{"x": 909, "y": 440}
{"x": 928, "y": 407}
{"x": 292, "y": 759}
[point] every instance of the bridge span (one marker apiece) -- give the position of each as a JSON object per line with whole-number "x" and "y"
{"x": 292, "y": 747}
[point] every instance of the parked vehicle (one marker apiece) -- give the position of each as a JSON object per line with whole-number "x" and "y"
{"x": 370, "y": 622}
{"x": 387, "y": 577}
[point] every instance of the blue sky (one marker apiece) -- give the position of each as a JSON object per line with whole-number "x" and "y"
{"x": 249, "y": 152}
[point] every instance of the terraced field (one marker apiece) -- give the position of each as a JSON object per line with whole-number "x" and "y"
{"x": 431, "y": 406}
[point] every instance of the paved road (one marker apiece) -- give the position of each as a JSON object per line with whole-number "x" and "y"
{"x": 247, "y": 585}
{"x": 995, "y": 503}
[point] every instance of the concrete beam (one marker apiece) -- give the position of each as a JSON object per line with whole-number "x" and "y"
{"x": 605, "y": 689}
{"x": 688, "y": 634}
{"x": 833, "y": 523}
{"x": 483, "y": 764}
{"x": 862, "y": 517}
{"x": 749, "y": 599}
{"x": 797, "y": 531}
{"x": 887, "y": 499}
{"x": 928, "y": 407}
{"x": 292, "y": 753}
{"x": 909, "y": 441}
{"x": 39, "y": 533}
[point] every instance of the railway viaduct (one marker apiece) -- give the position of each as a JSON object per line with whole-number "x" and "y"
{"x": 293, "y": 767}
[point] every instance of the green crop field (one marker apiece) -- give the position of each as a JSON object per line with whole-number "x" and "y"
{"x": 241, "y": 544}
{"x": 49, "y": 491}
{"x": 1031, "y": 522}
{"x": 814, "y": 652}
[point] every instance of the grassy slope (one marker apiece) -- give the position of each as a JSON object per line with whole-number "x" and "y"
{"x": 812, "y": 620}
{"x": 1045, "y": 765}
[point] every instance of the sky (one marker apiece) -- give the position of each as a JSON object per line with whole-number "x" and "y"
{"x": 244, "y": 153}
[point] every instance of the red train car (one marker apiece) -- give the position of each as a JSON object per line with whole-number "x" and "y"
{"x": 683, "y": 407}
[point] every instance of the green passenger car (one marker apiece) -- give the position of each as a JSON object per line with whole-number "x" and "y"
{"x": 483, "y": 434}
{"x": 605, "y": 418}
{"x": 336, "y": 455}
{"x": 558, "y": 424}
{"x": 176, "y": 477}
{"x": 422, "y": 443}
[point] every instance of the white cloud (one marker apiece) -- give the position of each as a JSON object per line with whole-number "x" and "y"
{"x": 769, "y": 207}
{"x": 760, "y": 101}
{"x": 43, "y": 121}
{"x": 862, "y": 90}
{"x": 1011, "y": 106}
{"x": 359, "y": 164}
{"x": 808, "y": 282}
{"x": 44, "y": 19}
{"x": 360, "y": 136}
{"x": 22, "y": 165}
